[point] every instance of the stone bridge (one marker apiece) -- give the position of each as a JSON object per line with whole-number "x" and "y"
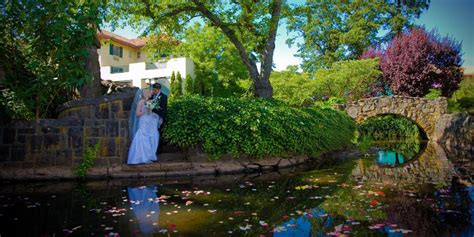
{"x": 423, "y": 112}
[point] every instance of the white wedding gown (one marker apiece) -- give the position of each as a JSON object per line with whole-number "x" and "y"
{"x": 145, "y": 141}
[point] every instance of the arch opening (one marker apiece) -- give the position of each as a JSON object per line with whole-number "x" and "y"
{"x": 390, "y": 126}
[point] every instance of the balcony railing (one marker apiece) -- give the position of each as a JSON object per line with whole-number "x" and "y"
{"x": 157, "y": 65}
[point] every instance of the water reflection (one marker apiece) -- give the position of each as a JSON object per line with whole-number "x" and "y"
{"x": 356, "y": 196}
{"x": 417, "y": 164}
{"x": 145, "y": 206}
{"x": 390, "y": 158}
{"x": 302, "y": 225}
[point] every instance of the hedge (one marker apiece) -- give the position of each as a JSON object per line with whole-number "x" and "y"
{"x": 255, "y": 127}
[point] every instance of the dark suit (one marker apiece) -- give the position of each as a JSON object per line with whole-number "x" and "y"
{"x": 163, "y": 106}
{"x": 161, "y": 111}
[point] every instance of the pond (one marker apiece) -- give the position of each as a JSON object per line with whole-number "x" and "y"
{"x": 392, "y": 189}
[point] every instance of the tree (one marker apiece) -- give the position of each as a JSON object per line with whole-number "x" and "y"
{"x": 188, "y": 85}
{"x": 251, "y": 26}
{"x": 215, "y": 56}
{"x": 173, "y": 85}
{"x": 44, "y": 50}
{"x": 342, "y": 30}
{"x": 417, "y": 61}
{"x": 293, "y": 87}
{"x": 179, "y": 84}
{"x": 347, "y": 80}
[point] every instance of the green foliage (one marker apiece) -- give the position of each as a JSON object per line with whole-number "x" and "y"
{"x": 342, "y": 30}
{"x": 216, "y": 59}
{"x": 88, "y": 158}
{"x": 349, "y": 80}
{"x": 463, "y": 98}
{"x": 365, "y": 143}
{"x": 330, "y": 103}
{"x": 433, "y": 94}
{"x": 15, "y": 107}
{"x": 179, "y": 84}
{"x": 292, "y": 87}
{"x": 44, "y": 47}
{"x": 389, "y": 127}
{"x": 188, "y": 85}
{"x": 250, "y": 26}
{"x": 255, "y": 127}
{"x": 174, "y": 90}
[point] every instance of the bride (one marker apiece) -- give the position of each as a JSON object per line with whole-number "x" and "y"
{"x": 143, "y": 127}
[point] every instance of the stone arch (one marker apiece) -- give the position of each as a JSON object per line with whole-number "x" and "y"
{"x": 423, "y": 112}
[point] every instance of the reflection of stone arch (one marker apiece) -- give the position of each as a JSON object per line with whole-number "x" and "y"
{"x": 423, "y": 112}
{"x": 431, "y": 166}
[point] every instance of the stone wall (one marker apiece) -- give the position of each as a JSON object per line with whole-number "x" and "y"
{"x": 424, "y": 112}
{"x": 50, "y": 143}
{"x": 456, "y": 131}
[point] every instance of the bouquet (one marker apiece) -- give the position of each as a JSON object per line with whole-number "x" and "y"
{"x": 151, "y": 105}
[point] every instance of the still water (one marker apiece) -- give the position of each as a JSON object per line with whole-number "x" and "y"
{"x": 393, "y": 189}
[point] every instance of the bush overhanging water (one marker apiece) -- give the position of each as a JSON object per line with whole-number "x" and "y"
{"x": 255, "y": 128}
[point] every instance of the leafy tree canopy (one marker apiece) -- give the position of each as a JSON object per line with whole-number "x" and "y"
{"x": 249, "y": 25}
{"x": 347, "y": 80}
{"x": 342, "y": 30}
{"x": 293, "y": 87}
{"x": 215, "y": 57}
{"x": 44, "y": 47}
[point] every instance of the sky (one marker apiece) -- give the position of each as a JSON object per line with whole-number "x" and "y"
{"x": 454, "y": 18}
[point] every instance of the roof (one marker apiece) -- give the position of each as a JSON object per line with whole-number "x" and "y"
{"x": 134, "y": 43}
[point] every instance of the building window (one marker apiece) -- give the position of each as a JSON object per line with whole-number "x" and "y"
{"x": 115, "y": 50}
{"x": 161, "y": 64}
{"x": 130, "y": 54}
{"x": 139, "y": 54}
{"x": 116, "y": 70}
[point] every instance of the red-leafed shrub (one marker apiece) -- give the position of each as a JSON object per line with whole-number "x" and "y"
{"x": 417, "y": 61}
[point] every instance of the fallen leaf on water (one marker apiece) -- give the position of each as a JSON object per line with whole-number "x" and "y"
{"x": 373, "y": 202}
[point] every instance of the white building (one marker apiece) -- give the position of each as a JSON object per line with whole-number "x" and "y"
{"x": 123, "y": 60}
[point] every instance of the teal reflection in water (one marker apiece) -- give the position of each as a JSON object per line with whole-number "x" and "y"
{"x": 145, "y": 206}
{"x": 390, "y": 158}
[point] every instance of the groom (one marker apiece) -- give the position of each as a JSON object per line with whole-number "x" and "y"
{"x": 162, "y": 100}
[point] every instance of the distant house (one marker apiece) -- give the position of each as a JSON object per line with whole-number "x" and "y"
{"x": 124, "y": 60}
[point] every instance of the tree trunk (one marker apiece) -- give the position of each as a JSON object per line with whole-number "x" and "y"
{"x": 263, "y": 89}
{"x": 92, "y": 88}
{"x": 261, "y": 81}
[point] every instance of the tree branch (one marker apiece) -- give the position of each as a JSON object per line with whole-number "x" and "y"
{"x": 171, "y": 13}
{"x": 249, "y": 63}
{"x": 267, "y": 55}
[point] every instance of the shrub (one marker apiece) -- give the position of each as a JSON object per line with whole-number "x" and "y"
{"x": 463, "y": 98}
{"x": 389, "y": 127}
{"x": 88, "y": 158}
{"x": 188, "y": 85}
{"x": 433, "y": 94}
{"x": 347, "y": 79}
{"x": 255, "y": 127}
{"x": 292, "y": 87}
{"x": 417, "y": 61}
{"x": 179, "y": 84}
{"x": 173, "y": 85}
